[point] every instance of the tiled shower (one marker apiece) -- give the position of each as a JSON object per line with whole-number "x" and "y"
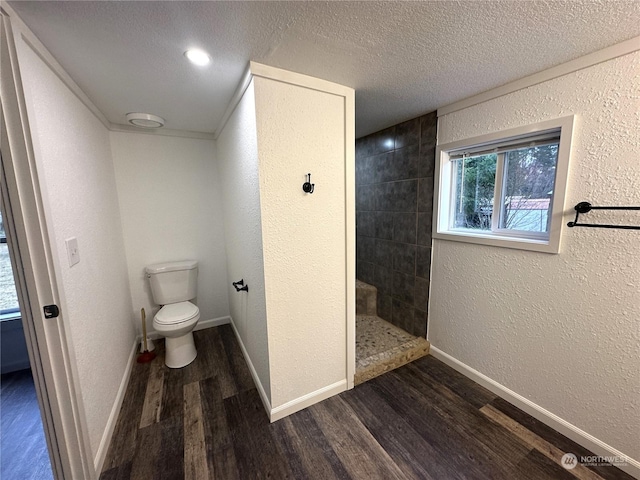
{"x": 394, "y": 199}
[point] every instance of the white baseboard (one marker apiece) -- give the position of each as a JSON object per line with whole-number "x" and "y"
{"x": 307, "y": 400}
{"x": 214, "y": 322}
{"x": 101, "y": 454}
{"x": 263, "y": 395}
{"x": 294, "y": 405}
{"x": 567, "y": 429}
{"x": 201, "y": 325}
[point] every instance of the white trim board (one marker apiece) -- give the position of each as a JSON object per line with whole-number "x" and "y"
{"x": 103, "y": 448}
{"x": 166, "y": 132}
{"x": 307, "y": 400}
{"x": 235, "y": 100}
{"x": 545, "y": 416}
{"x": 350, "y": 240}
{"x": 586, "y": 61}
{"x": 265, "y": 71}
{"x": 299, "y": 79}
{"x": 294, "y": 405}
{"x": 254, "y": 374}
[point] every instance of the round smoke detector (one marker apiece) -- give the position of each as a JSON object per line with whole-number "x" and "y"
{"x": 145, "y": 120}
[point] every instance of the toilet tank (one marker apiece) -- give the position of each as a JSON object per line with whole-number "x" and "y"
{"x": 173, "y": 282}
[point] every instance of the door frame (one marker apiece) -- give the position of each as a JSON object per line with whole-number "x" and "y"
{"x": 48, "y": 343}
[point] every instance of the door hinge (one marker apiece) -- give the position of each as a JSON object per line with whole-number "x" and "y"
{"x": 51, "y": 311}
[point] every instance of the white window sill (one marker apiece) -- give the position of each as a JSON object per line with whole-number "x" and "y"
{"x": 6, "y": 317}
{"x": 495, "y": 240}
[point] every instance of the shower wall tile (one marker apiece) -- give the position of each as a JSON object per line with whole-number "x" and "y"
{"x": 421, "y": 295}
{"x": 365, "y": 249}
{"x": 383, "y": 279}
{"x": 384, "y": 225}
{"x": 365, "y": 224}
{"x": 426, "y": 163}
{"x": 404, "y": 227}
{"x": 423, "y": 262}
{"x": 365, "y": 271}
{"x": 384, "y": 252}
{"x": 408, "y": 133}
{"x": 424, "y": 228}
{"x": 384, "y": 140}
{"x": 419, "y": 323}
{"x": 365, "y": 199}
{"x": 404, "y": 164}
{"x": 384, "y": 306}
{"x": 394, "y": 201}
{"x": 404, "y": 258}
{"x": 359, "y": 248}
{"x": 381, "y": 167}
{"x": 428, "y": 127}
{"x": 425, "y": 194}
{"x": 402, "y": 315}
{"x": 364, "y": 172}
{"x": 403, "y": 287}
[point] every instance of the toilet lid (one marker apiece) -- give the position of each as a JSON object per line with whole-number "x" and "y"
{"x": 177, "y": 313}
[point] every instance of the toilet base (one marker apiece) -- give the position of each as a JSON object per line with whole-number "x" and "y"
{"x": 180, "y": 351}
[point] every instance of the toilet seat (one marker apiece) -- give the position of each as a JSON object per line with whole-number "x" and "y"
{"x": 176, "y": 313}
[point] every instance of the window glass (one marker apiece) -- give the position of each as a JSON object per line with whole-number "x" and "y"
{"x": 529, "y": 176}
{"x": 475, "y": 179}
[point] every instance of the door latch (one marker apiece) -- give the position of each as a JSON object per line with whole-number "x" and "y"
{"x": 51, "y": 311}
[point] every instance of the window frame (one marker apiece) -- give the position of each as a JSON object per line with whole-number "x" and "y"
{"x": 444, "y": 202}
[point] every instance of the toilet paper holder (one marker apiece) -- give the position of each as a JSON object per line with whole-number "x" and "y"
{"x": 240, "y": 286}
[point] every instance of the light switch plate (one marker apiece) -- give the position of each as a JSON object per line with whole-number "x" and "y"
{"x": 72, "y": 250}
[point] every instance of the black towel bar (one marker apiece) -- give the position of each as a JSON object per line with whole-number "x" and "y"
{"x": 585, "y": 207}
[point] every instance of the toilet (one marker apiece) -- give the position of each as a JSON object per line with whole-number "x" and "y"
{"x": 173, "y": 284}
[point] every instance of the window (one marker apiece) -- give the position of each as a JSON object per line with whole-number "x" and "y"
{"x": 505, "y": 189}
{"x": 8, "y": 297}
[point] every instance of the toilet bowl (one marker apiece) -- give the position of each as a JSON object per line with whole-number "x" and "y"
{"x": 173, "y": 284}
{"x": 176, "y": 322}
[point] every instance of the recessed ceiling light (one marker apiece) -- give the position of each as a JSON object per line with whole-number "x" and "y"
{"x": 198, "y": 57}
{"x": 145, "y": 120}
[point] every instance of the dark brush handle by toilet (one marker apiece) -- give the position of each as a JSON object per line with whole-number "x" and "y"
{"x": 240, "y": 286}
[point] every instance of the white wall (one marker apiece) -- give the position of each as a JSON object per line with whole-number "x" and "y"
{"x": 561, "y": 330}
{"x": 302, "y": 130}
{"x": 77, "y": 181}
{"x": 171, "y": 207}
{"x": 237, "y": 153}
{"x": 294, "y": 250}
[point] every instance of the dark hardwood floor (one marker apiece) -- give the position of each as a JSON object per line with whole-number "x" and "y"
{"x": 421, "y": 421}
{"x": 23, "y": 450}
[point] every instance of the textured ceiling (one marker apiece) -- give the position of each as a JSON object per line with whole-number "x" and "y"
{"x": 403, "y": 58}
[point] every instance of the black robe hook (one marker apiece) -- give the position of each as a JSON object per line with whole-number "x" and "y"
{"x": 308, "y": 187}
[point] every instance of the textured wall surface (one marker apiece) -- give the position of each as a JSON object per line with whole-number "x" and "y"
{"x": 78, "y": 185}
{"x": 394, "y": 203}
{"x": 237, "y": 154}
{"x": 301, "y": 130}
{"x": 171, "y": 208}
{"x": 561, "y": 330}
